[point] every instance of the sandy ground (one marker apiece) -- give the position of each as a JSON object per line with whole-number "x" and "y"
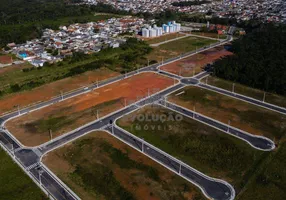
{"x": 81, "y": 109}
{"x": 50, "y": 90}
{"x": 185, "y": 67}
{"x": 132, "y": 179}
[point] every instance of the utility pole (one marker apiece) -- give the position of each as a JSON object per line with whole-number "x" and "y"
{"x": 40, "y": 177}
{"x": 97, "y": 117}
{"x": 125, "y": 102}
{"x": 228, "y": 126}
{"x": 142, "y": 145}
{"x": 18, "y": 107}
{"x": 12, "y": 149}
{"x": 62, "y": 96}
{"x": 194, "y": 111}
{"x": 51, "y": 134}
{"x": 162, "y": 60}
{"x": 264, "y": 97}
{"x": 180, "y": 170}
{"x": 233, "y": 87}
{"x": 97, "y": 82}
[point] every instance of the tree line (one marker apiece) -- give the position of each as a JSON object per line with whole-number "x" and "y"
{"x": 258, "y": 60}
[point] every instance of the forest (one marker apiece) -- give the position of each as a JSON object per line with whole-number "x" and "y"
{"x": 258, "y": 60}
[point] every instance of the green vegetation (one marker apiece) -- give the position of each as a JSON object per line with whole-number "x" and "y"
{"x": 60, "y": 120}
{"x": 241, "y": 114}
{"x": 269, "y": 180}
{"x": 202, "y": 147}
{"x": 111, "y": 170}
{"x": 175, "y": 48}
{"x": 164, "y": 38}
{"x": 14, "y": 183}
{"x": 127, "y": 57}
{"x": 248, "y": 91}
{"x": 259, "y": 60}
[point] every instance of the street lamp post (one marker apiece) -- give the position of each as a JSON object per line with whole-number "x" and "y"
{"x": 51, "y": 134}
{"x": 40, "y": 176}
{"x": 233, "y": 87}
{"x": 142, "y": 145}
{"x": 12, "y": 149}
{"x": 194, "y": 111}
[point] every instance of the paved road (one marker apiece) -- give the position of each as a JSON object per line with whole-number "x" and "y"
{"x": 30, "y": 157}
{"x": 244, "y": 98}
{"x": 211, "y": 187}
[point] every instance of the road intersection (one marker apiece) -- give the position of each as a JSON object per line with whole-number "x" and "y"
{"x": 30, "y": 158}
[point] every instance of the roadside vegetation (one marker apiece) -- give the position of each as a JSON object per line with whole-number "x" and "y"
{"x": 14, "y": 183}
{"x": 206, "y": 149}
{"x": 245, "y": 90}
{"x": 241, "y": 114}
{"x": 98, "y": 166}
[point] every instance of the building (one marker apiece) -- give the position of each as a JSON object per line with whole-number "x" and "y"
{"x": 145, "y": 32}
{"x": 152, "y": 32}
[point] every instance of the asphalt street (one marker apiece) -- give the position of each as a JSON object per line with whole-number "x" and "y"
{"x": 244, "y": 98}
{"x": 30, "y": 157}
{"x": 214, "y": 189}
{"x": 258, "y": 142}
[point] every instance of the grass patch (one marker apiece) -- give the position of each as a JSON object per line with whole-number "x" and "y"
{"x": 14, "y": 183}
{"x": 241, "y": 114}
{"x": 270, "y": 180}
{"x": 118, "y": 172}
{"x": 248, "y": 91}
{"x": 175, "y": 48}
{"x": 164, "y": 38}
{"x": 202, "y": 147}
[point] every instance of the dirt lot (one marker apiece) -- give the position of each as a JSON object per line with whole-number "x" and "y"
{"x": 177, "y": 47}
{"x": 185, "y": 67}
{"x": 33, "y": 129}
{"x": 5, "y": 59}
{"x": 50, "y": 90}
{"x": 87, "y": 163}
{"x": 248, "y": 117}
